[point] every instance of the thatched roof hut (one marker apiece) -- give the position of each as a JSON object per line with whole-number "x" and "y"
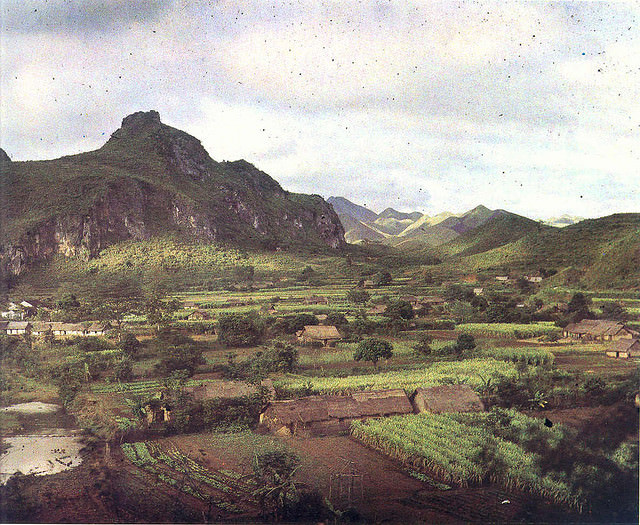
{"x": 219, "y": 389}
{"x": 447, "y": 398}
{"x": 597, "y": 330}
{"x": 624, "y": 348}
{"x": 324, "y": 414}
{"x": 324, "y": 334}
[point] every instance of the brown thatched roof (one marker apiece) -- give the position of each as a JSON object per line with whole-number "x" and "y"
{"x": 324, "y": 407}
{"x": 624, "y": 345}
{"x": 383, "y": 402}
{"x": 447, "y": 398}
{"x": 595, "y": 327}
{"x": 320, "y": 332}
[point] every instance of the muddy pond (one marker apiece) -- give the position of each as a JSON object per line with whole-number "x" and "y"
{"x": 40, "y": 439}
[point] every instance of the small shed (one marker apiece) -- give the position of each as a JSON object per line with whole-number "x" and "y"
{"x": 40, "y": 328}
{"x": 447, "y": 398}
{"x": 624, "y": 348}
{"x": 325, "y": 334}
{"x": 377, "y": 309}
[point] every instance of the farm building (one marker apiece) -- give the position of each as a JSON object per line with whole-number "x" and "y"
{"x": 325, "y": 334}
{"x": 533, "y": 278}
{"x": 447, "y": 398}
{"x": 324, "y": 414}
{"x": 39, "y": 328}
{"x": 478, "y": 291}
{"x": 411, "y": 299}
{"x": 18, "y": 327}
{"x": 624, "y": 348}
{"x": 597, "y": 330}
{"x": 502, "y": 278}
{"x": 433, "y": 301}
{"x": 198, "y": 315}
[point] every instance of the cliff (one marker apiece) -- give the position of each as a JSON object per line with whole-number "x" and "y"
{"x": 147, "y": 180}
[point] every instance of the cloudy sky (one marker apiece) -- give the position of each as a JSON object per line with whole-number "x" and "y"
{"x": 420, "y": 105}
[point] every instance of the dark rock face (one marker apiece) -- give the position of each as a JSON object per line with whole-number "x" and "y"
{"x": 3, "y": 156}
{"x": 230, "y": 202}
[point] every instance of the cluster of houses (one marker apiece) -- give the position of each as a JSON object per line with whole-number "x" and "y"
{"x": 56, "y": 329}
{"x": 18, "y": 311}
{"x": 622, "y": 342}
{"x": 329, "y": 415}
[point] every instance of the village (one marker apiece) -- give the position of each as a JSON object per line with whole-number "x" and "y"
{"x": 346, "y": 365}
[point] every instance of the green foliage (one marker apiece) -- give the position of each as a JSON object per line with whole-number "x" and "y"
{"x": 373, "y": 350}
{"x": 123, "y": 370}
{"x": 356, "y": 296}
{"x": 274, "y": 471}
{"x": 335, "y": 319}
{"x": 399, "y": 309}
{"x": 129, "y": 344}
{"x": 423, "y": 345}
{"x": 382, "y": 279}
{"x": 240, "y": 329}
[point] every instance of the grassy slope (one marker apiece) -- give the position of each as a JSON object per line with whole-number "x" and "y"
{"x": 595, "y": 242}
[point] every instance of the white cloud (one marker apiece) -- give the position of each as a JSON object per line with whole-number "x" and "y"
{"x": 417, "y": 104}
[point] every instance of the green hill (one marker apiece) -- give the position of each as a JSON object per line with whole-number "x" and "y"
{"x": 605, "y": 250}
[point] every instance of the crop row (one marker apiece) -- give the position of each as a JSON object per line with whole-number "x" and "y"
{"x": 461, "y": 453}
{"x": 473, "y": 372}
{"x": 520, "y": 331}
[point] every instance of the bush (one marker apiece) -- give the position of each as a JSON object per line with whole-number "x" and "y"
{"x": 399, "y": 310}
{"x": 129, "y": 344}
{"x": 423, "y": 345}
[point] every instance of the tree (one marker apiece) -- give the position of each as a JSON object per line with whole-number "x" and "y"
{"x": 358, "y": 296}
{"x": 464, "y": 343}
{"x": 399, "y": 309}
{"x": 382, "y": 279}
{"x": 240, "y": 329}
{"x": 68, "y": 301}
{"x": 129, "y": 344}
{"x": 336, "y": 319}
{"x": 423, "y": 345}
{"x": 307, "y": 273}
{"x": 462, "y": 312}
{"x": 614, "y": 311}
{"x": 274, "y": 471}
{"x": 578, "y": 306}
{"x": 373, "y": 350}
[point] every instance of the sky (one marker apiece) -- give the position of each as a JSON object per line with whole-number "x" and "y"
{"x": 420, "y": 105}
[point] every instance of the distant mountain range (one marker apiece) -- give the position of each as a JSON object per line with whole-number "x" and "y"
{"x": 595, "y": 252}
{"x": 398, "y": 228}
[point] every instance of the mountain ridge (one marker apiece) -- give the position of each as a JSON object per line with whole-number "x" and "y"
{"x": 146, "y": 179}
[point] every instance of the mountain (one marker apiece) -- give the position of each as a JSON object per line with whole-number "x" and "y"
{"x": 394, "y": 222}
{"x": 471, "y": 219}
{"x": 424, "y": 222}
{"x": 149, "y": 179}
{"x": 604, "y": 252}
{"x": 343, "y": 206}
{"x": 500, "y": 230}
{"x": 357, "y": 231}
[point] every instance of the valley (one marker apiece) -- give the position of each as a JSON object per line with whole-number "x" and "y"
{"x": 232, "y": 355}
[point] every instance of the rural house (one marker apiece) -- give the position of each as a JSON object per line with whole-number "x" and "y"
{"x": 433, "y": 301}
{"x": 327, "y": 415}
{"x": 18, "y": 327}
{"x": 447, "y": 398}
{"x": 377, "y": 309}
{"x": 39, "y": 328}
{"x": 624, "y": 348}
{"x": 597, "y": 330}
{"x": 325, "y": 334}
{"x": 478, "y": 291}
{"x": 533, "y": 278}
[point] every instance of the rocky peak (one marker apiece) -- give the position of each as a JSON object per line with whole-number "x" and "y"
{"x": 138, "y": 124}
{"x": 3, "y": 156}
